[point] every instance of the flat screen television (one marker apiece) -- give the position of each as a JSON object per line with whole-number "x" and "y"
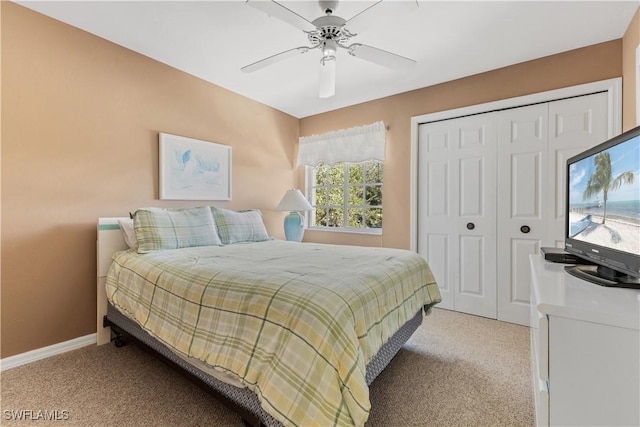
{"x": 602, "y": 217}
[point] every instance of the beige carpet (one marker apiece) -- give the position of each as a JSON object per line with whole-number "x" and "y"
{"x": 456, "y": 370}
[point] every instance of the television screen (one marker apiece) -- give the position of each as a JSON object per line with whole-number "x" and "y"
{"x": 603, "y": 204}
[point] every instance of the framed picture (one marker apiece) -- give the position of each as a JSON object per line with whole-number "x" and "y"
{"x": 191, "y": 169}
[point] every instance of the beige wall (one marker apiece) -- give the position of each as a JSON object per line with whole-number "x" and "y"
{"x": 80, "y": 119}
{"x": 630, "y": 43}
{"x": 80, "y": 123}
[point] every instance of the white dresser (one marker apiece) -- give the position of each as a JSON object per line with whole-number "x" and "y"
{"x": 585, "y": 350}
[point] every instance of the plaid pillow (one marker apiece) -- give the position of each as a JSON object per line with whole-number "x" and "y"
{"x": 239, "y": 226}
{"x": 159, "y": 229}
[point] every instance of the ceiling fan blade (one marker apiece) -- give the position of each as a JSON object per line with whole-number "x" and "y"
{"x": 258, "y": 65}
{"x": 380, "y": 57}
{"x": 327, "y": 82}
{"x": 364, "y": 19}
{"x": 275, "y": 9}
{"x": 359, "y": 22}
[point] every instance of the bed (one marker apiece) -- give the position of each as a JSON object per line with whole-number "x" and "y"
{"x": 286, "y": 333}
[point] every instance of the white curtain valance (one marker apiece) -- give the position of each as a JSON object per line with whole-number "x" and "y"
{"x": 356, "y": 144}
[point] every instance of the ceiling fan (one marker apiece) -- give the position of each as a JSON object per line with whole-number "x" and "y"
{"x": 327, "y": 33}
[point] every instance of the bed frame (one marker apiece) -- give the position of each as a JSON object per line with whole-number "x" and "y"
{"x": 114, "y": 326}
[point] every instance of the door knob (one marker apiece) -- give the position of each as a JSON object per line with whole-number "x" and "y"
{"x": 470, "y": 226}
{"x": 525, "y": 229}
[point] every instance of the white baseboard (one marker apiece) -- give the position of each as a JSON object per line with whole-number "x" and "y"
{"x": 43, "y": 353}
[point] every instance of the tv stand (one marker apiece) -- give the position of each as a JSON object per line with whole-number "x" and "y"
{"x": 603, "y": 276}
{"x": 585, "y": 350}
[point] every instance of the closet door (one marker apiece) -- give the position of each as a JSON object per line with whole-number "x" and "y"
{"x": 523, "y": 189}
{"x": 437, "y": 204}
{"x": 532, "y": 155}
{"x": 476, "y": 216}
{"x": 492, "y": 192}
{"x": 575, "y": 124}
{"x": 456, "y": 210}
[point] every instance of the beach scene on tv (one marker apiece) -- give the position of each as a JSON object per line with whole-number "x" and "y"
{"x": 604, "y": 198}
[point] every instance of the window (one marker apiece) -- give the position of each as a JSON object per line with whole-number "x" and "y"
{"x": 347, "y": 196}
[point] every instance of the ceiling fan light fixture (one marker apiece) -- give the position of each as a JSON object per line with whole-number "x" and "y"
{"x": 329, "y": 48}
{"x": 327, "y": 83}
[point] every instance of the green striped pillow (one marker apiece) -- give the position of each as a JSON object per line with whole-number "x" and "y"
{"x": 159, "y": 229}
{"x": 239, "y": 226}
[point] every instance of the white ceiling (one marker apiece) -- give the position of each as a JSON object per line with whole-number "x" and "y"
{"x": 448, "y": 39}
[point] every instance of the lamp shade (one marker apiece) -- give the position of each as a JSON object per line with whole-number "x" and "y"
{"x": 293, "y": 200}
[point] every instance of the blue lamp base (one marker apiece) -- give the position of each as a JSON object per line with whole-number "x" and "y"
{"x": 294, "y": 227}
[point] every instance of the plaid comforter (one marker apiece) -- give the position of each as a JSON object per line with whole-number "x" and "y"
{"x": 295, "y": 323}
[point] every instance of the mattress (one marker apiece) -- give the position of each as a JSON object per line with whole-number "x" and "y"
{"x": 296, "y": 324}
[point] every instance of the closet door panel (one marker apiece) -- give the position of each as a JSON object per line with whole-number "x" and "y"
{"x": 471, "y": 280}
{"x": 576, "y": 124}
{"x": 525, "y": 180}
{"x": 436, "y": 204}
{"x": 471, "y": 189}
{"x": 475, "y": 295}
{"x": 438, "y": 188}
{"x": 476, "y": 220}
{"x": 522, "y": 168}
{"x": 436, "y": 250}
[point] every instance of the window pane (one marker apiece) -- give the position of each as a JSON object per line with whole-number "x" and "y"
{"x": 355, "y": 196}
{"x": 373, "y": 195}
{"x": 373, "y": 172}
{"x": 356, "y": 217}
{"x": 321, "y": 174}
{"x": 374, "y": 218}
{"x": 335, "y": 217}
{"x": 321, "y": 196}
{"x": 336, "y": 174}
{"x": 336, "y": 196}
{"x": 355, "y": 173}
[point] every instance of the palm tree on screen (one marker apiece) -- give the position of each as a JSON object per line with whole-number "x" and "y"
{"x": 602, "y": 180}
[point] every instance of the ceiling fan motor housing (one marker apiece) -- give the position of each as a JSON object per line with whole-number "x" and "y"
{"x": 329, "y": 27}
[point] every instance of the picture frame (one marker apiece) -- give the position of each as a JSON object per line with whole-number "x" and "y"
{"x": 192, "y": 169}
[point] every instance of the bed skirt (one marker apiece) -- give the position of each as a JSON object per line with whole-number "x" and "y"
{"x": 244, "y": 398}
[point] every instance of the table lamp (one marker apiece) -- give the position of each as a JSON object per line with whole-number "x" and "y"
{"x": 294, "y": 202}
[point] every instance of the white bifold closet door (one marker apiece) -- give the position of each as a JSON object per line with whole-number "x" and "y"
{"x": 457, "y": 219}
{"x": 491, "y": 191}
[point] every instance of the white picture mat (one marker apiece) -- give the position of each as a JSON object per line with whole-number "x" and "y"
{"x": 192, "y": 169}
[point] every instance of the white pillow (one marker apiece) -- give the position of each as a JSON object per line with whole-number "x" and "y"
{"x": 128, "y": 232}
